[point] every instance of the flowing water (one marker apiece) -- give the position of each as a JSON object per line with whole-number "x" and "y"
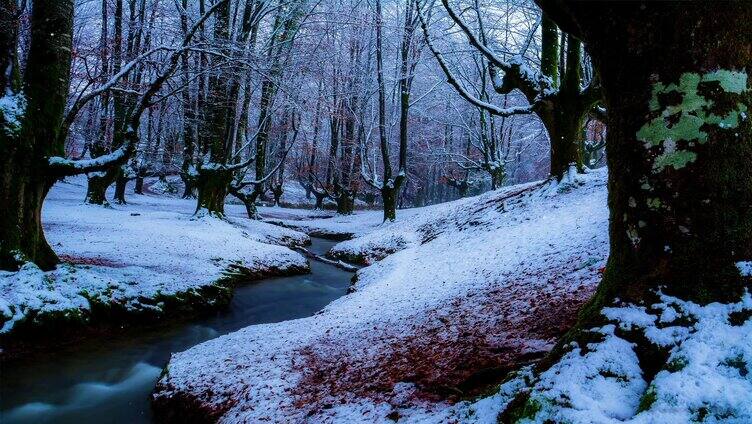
{"x": 109, "y": 381}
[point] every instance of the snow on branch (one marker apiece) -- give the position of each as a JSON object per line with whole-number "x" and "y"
{"x": 108, "y": 85}
{"x": 61, "y": 166}
{"x": 531, "y": 83}
{"x": 452, "y": 80}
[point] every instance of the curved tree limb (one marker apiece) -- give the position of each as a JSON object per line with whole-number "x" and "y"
{"x": 452, "y": 80}
{"x": 61, "y": 167}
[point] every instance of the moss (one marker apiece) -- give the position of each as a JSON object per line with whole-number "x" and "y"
{"x": 523, "y": 406}
{"x": 676, "y": 364}
{"x": 684, "y": 112}
{"x": 676, "y": 160}
{"x": 739, "y": 363}
{"x": 648, "y": 399}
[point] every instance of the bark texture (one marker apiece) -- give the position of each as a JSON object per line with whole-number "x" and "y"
{"x": 24, "y": 172}
{"x": 680, "y": 143}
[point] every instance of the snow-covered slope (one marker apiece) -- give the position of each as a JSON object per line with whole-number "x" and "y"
{"x": 479, "y": 287}
{"x": 706, "y": 377}
{"x": 376, "y": 239}
{"x": 140, "y": 257}
{"x": 337, "y": 227}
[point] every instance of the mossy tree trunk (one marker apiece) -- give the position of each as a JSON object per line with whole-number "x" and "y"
{"x": 345, "y": 202}
{"x": 319, "y": 200}
{"x": 389, "y": 197}
{"x": 559, "y": 99}
{"x": 498, "y": 176}
{"x": 563, "y": 121}
{"x": 564, "y": 114}
{"x": 189, "y": 120}
{"x": 391, "y": 186}
{"x": 277, "y": 191}
{"x": 25, "y": 144}
{"x": 21, "y": 234}
{"x": 139, "y": 186}
{"x": 213, "y": 187}
{"x": 249, "y": 201}
{"x": 680, "y": 143}
{"x": 120, "y": 183}
{"x": 213, "y": 181}
{"x": 96, "y": 187}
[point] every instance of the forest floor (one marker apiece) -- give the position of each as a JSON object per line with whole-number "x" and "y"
{"x": 457, "y": 296}
{"x": 150, "y": 258}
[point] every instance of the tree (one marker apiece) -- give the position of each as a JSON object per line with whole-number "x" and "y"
{"x": 35, "y": 127}
{"x": 284, "y": 30}
{"x": 100, "y": 181}
{"x": 32, "y": 111}
{"x": 678, "y": 152}
{"x": 678, "y": 146}
{"x": 555, "y": 95}
{"x": 391, "y": 184}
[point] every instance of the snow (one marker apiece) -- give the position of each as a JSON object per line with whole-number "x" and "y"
{"x": 338, "y": 226}
{"x": 706, "y": 377}
{"x": 745, "y": 268}
{"x": 58, "y": 161}
{"x": 376, "y": 239}
{"x": 133, "y": 255}
{"x": 12, "y": 108}
{"x": 484, "y": 282}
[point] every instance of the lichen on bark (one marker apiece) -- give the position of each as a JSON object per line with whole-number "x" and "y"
{"x": 686, "y": 109}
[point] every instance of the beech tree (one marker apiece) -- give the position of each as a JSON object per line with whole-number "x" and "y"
{"x": 679, "y": 143}
{"x": 390, "y": 185}
{"x": 554, "y": 93}
{"x": 34, "y": 125}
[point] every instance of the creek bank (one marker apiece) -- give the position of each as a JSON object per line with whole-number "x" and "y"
{"x": 343, "y": 265}
{"x": 37, "y": 327}
{"x": 109, "y": 379}
{"x": 312, "y": 231}
{"x": 489, "y": 286}
{"x": 149, "y": 260}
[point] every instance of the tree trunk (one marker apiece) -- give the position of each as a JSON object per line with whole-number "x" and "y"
{"x": 498, "y": 175}
{"x": 563, "y": 121}
{"x": 21, "y": 233}
{"x": 345, "y": 203}
{"x": 319, "y": 200}
{"x": 189, "y": 188}
{"x": 249, "y": 201}
{"x": 679, "y": 148}
{"x": 120, "y": 183}
{"x": 277, "y": 191}
{"x": 26, "y": 145}
{"x": 213, "y": 187}
{"x": 98, "y": 182}
{"x": 389, "y": 197}
{"x": 139, "y": 187}
{"x": 189, "y": 120}
{"x": 565, "y": 115}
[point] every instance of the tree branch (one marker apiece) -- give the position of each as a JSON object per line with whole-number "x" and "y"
{"x": 452, "y": 80}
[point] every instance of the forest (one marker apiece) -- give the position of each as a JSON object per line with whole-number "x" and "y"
{"x": 346, "y": 211}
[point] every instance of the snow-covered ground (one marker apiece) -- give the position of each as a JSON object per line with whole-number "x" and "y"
{"x": 141, "y": 257}
{"x": 476, "y": 288}
{"x": 342, "y": 227}
{"x": 706, "y": 376}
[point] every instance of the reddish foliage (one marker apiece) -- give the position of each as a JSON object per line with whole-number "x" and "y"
{"x": 99, "y": 261}
{"x": 455, "y": 350}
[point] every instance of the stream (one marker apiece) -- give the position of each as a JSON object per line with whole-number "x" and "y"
{"x": 110, "y": 381}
